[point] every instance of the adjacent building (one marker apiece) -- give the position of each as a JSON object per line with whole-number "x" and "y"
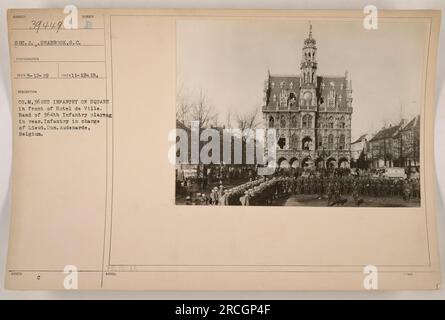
{"x": 359, "y": 152}
{"x": 396, "y": 146}
{"x": 358, "y": 147}
{"x": 383, "y": 147}
{"x": 410, "y": 143}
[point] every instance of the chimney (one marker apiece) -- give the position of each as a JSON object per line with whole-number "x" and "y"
{"x": 402, "y": 122}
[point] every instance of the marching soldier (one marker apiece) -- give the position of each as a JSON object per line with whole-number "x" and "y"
{"x": 214, "y": 196}
{"x": 406, "y": 190}
{"x": 222, "y": 198}
{"x": 330, "y": 192}
{"x": 244, "y": 199}
{"x": 355, "y": 194}
{"x": 204, "y": 200}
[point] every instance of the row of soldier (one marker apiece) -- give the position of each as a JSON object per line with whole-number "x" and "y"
{"x": 263, "y": 190}
{"x": 369, "y": 186}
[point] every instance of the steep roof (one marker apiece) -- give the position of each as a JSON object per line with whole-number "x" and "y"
{"x": 386, "y": 133}
{"x": 338, "y": 83}
{"x": 360, "y": 139}
{"x": 415, "y": 122}
{"x": 291, "y": 84}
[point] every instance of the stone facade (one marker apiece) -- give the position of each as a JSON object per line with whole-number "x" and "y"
{"x": 358, "y": 147}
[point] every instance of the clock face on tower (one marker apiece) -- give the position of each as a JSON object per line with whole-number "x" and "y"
{"x": 307, "y": 96}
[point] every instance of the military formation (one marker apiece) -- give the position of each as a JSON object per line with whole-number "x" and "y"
{"x": 334, "y": 189}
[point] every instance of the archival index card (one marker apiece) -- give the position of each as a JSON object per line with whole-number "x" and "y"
{"x": 223, "y": 150}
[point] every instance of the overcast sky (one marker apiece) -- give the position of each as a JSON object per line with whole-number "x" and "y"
{"x": 228, "y": 60}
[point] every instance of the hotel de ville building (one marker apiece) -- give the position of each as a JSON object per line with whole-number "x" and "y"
{"x": 311, "y": 114}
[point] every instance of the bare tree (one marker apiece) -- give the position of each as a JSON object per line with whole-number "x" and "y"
{"x": 229, "y": 119}
{"x": 183, "y": 106}
{"x": 183, "y": 112}
{"x": 249, "y": 120}
{"x": 204, "y": 113}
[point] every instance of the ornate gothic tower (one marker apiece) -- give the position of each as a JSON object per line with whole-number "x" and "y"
{"x": 308, "y": 98}
{"x": 308, "y": 76}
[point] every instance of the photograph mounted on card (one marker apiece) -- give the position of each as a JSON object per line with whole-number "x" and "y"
{"x": 223, "y": 149}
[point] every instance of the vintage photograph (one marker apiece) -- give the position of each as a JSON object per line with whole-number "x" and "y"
{"x": 343, "y": 102}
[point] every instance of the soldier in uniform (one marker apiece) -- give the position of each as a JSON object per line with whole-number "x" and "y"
{"x": 214, "y": 196}
{"x": 228, "y": 197}
{"x": 220, "y": 190}
{"x": 245, "y": 199}
{"x": 299, "y": 185}
{"x": 395, "y": 188}
{"x": 197, "y": 201}
{"x": 355, "y": 194}
{"x": 363, "y": 186}
{"x": 415, "y": 188}
{"x": 204, "y": 200}
{"x": 222, "y": 197}
{"x": 337, "y": 195}
{"x": 294, "y": 185}
{"x": 406, "y": 190}
{"x": 330, "y": 192}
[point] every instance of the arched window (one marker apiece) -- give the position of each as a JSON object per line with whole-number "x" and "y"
{"x": 341, "y": 142}
{"x": 294, "y": 122}
{"x": 294, "y": 141}
{"x": 331, "y": 123}
{"x": 271, "y": 122}
{"x": 283, "y": 122}
{"x": 306, "y": 143}
{"x": 331, "y": 141}
{"x": 309, "y": 117}
{"x": 341, "y": 123}
{"x": 281, "y": 142}
{"x": 320, "y": 141}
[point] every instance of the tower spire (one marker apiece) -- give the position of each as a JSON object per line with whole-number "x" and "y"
{"x": 308, "y": 65}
